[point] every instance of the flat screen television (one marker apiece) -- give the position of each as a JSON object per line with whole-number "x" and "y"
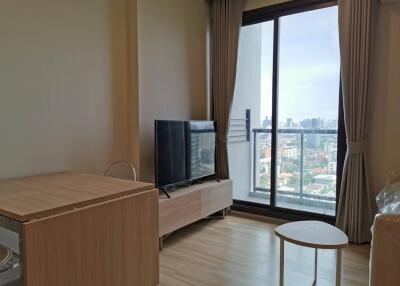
{"x": 184, "y": 152}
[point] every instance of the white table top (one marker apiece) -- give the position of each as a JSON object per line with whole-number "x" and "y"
{"x": 313, "y": 234}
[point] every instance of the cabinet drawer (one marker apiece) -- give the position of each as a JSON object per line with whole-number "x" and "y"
{"x": 179, "y": 211}
{"x": 216, "y": 199}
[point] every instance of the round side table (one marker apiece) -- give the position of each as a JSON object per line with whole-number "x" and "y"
{"x": 314, "y": 234}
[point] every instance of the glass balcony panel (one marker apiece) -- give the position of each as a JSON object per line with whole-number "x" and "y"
{"x": 306, "y": 170}
{"x": 262, "y": 167}
{"x": 288, "y": 169}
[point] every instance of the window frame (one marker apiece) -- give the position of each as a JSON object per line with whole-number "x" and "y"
{"x": 273, "y": 13}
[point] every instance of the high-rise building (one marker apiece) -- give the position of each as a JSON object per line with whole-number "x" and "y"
{"x": 313, "y": 141}
{"x": 289, "y": 122}
{"x": 332, "y": 124}
{"x": 290, "y": 151}
{"x": 306, "y": 123}
{"x": 332, "y": 167}
{"x": 267, "y": 122}
{"x": 317, "y": 123}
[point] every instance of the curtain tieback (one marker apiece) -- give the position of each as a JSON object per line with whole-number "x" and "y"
{"x": 356, "y": 147}
{"x": 222, "y": 138}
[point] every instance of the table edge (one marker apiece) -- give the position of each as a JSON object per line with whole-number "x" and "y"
{"x": 312, "y": 245}
{"x": 71, "y": 206}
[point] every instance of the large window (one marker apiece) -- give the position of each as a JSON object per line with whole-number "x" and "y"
{"x": 295, "y": 137}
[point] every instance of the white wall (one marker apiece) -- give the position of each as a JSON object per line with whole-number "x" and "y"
{"x": 62, "y": 85}
{"x": 247, "y": 96}
{"x": 384, "y": 132}
{"x": 172, "y": 67}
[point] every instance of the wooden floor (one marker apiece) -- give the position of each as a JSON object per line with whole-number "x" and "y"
{"x": 245, "y": 251}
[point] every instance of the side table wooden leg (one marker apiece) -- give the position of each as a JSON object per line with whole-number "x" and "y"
{"x": 338, "y": 266}
{"x": 282, "y": 264}
{"x": 315, "y": 267}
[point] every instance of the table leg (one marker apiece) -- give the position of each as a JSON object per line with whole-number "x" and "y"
{"x": 338, "y": 266}
{"x": 160, "y": 243}
{"x": 315, "y": 267}
{"x": 282, "y": 263}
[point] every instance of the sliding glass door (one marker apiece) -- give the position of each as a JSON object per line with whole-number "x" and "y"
{"x": 307, "y": 113}
{"x": 295, "y": 142}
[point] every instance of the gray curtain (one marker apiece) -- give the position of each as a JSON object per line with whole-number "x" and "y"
{"x": 354, "y": 215}
{"x": 226, "y": 24}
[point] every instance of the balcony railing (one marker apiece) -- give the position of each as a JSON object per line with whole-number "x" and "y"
{"x": 318, "y": 200}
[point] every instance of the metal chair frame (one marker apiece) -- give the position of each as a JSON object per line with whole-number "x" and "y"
{"x": 121, "y": 170}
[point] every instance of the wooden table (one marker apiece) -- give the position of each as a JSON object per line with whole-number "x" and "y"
{"x": 314, "y": 234}
{"x": 82, "y": 230}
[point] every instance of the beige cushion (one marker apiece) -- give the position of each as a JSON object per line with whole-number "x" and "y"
{"x": 385, "y": 251}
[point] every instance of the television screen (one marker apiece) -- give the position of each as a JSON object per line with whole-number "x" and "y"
{"x": 202, "y": 149}
{"x": 170, "y": 152}
{"x": 185, "y": 152}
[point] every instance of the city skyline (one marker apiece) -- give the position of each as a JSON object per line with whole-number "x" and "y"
{"x": 306, "y": 123}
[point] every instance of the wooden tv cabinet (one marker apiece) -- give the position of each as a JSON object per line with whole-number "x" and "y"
{"x": 190, "y": 204}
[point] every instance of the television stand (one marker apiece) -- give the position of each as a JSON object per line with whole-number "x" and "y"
{"x": 216, "y": 178}
{"x": 166, "y": 193}
{"x": 187, "y": 205}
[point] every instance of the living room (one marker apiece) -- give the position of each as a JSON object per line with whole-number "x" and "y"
{"x": 82, "y": 84}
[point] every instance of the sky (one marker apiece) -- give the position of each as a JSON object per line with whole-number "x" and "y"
{"x": 309, "y": 66}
